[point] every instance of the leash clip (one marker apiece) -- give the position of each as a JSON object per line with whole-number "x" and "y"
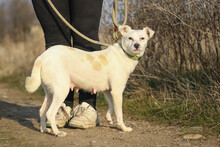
{"x": 116, "y": 35}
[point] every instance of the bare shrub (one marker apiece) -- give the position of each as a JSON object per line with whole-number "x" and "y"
{"x": 16, "y": 17}
{"x": 2, "y": 21}
{"x": 18, "y": 57}
{"x": 21, "y": 40}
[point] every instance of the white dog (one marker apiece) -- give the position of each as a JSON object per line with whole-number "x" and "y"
{"x": 60, "y": 68}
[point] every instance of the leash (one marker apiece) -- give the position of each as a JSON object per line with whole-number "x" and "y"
{"x": 72, "y": 28}
{"x": 115, "y": 25}
{"x": 114, "y": 18}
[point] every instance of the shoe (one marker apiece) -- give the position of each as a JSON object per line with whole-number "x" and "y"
{"x": 84, "y": 116}
{"x": 62, "y": 117}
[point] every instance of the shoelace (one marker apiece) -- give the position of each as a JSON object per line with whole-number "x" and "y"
{"x": 79, "y": 110}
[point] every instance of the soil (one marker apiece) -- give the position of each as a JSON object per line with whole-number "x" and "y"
{"x": 19, "y": 126}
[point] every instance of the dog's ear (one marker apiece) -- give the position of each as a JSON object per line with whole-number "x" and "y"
{"x": 124, "y": 29}
{"x": 149, "y": 32}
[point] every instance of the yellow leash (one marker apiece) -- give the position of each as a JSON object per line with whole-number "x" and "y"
{"x": 114, "y": 18}
{"x": 115, "y": 25}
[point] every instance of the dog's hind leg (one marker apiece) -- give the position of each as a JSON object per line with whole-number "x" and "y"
{"x": 110, "y": 110}
{"x": 43, "y": 110}
{"x": 117, "y": 101}
{"x": 59, "y": 96}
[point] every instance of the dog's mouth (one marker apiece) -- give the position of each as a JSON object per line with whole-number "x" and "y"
{"x": 136, "y": 50}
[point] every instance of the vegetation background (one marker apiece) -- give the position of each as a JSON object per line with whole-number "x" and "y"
{"x": 177, "y": 81}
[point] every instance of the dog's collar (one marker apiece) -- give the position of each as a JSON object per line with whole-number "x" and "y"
{"x": 129, "y": 55}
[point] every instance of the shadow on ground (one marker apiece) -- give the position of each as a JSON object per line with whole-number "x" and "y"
{"x": 24, "y": 115}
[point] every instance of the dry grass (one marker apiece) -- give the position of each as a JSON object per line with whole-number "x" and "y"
{"x": 18, "y": 57}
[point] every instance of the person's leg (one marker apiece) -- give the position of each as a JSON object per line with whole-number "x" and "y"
{"x": 88, "y": 98}
{"x": 55, "y": 31}
{"x": 85, "y": 17}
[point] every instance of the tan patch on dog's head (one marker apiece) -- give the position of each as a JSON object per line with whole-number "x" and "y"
{"x": 71, "y": 48}
{"x": 103, "y": 59}
{"x": 97, "y": 66}
{"x": 90, "y": 58}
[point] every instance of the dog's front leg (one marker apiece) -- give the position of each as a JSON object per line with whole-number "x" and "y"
{"x": 117, "y": 101}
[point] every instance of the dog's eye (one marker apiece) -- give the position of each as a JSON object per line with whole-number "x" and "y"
{"x": 142, "y": 38}
{"x": 130, "y": 38}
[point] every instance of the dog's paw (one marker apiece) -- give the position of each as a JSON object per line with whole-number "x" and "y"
{"x": 61, "y": 134}
{"x": 109, "y": 118}
{"x": 110, "y": 122}
{"x": 47, "y": 130}
{"x": 127, "y": 129}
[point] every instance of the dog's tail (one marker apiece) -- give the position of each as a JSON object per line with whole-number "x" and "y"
{"x": 33, "y": 82}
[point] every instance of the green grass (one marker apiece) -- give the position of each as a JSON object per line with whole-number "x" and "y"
{"x": 183, "y": 99}
{"x": 175, "y": 113}
{"x": 17, "y": 81}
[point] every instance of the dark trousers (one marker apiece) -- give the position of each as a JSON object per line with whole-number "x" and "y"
{"x": 84, "y": 15}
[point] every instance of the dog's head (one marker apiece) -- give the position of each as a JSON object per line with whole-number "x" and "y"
{"x": 134, "y": 42}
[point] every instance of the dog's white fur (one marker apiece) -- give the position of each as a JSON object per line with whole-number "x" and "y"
{"x": 60, "y": 68}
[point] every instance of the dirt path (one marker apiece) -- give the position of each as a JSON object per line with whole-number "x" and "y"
{"x": 19, "y": 126}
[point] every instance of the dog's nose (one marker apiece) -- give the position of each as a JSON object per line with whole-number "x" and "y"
{"x": 136, "y": 45}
